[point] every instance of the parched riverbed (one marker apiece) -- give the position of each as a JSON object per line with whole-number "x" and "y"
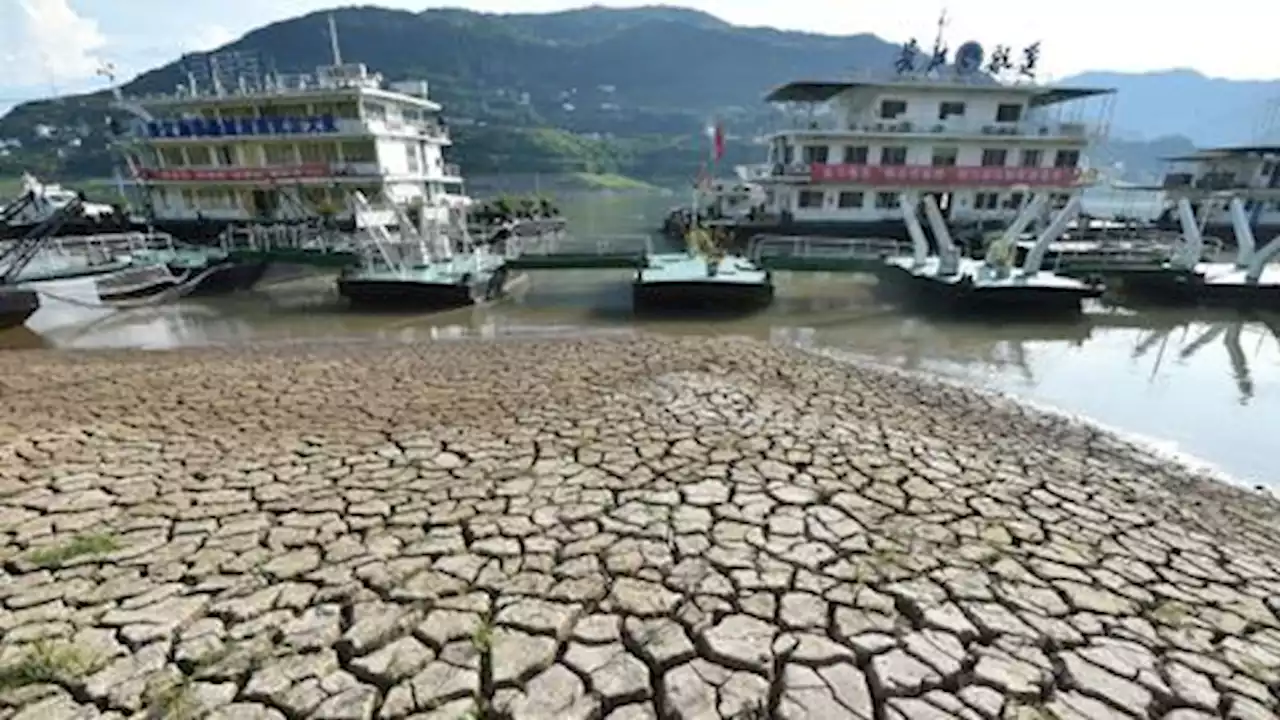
{"x": 602, "y": 528}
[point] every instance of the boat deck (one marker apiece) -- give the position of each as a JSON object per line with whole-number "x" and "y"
{"x": 1229, "y": 274}
{"x": 685, "y": 267}
{"x": 984, "y": 276}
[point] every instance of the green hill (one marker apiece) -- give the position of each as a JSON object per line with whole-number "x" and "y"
{"x": 628, "y": 91}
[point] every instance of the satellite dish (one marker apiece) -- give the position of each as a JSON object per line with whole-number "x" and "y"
{"x": 969, "y": 57}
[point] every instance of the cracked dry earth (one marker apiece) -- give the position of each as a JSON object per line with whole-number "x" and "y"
{"x": 621, "y": 529}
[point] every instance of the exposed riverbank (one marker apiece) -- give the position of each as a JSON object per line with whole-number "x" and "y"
{"x": 604, "y": 527}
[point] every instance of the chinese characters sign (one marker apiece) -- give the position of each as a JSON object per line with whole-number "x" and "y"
{"x": 929, "y": 175}
{"x": 236, "y": 127}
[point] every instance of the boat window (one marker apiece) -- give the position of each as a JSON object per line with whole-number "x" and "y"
{"x": 810, "y": 199}
{"x": 1032, "y": 158}
{"x": 815, "y": 154}
{"x": 850, "y": 199}
{"x": 279, "y": 154}
{"x": 1008, "y": 112}
{"x": 375, "y": 111}
{"x": 359, "y": 151}
{"x": 944, "y": 157}
{"x": 950, "y": 109}
{"x": 855, "y": 154}
{"x": 986, "y": 201}
{"x": 317, "y": 152}
{"x": 994, "y": 158}
{"x": 888, "y": 200}
{"x": 891, "y": 109}
{"x": 348, "y": 110}
{"x": 1067, "y": 159}
{"x": 893, "y": 156}
{"x": 412, "y": 157}
{"x": 172, "y": 157}
{"x": 200, "y": 155}
{"x": 1014, "y": 202}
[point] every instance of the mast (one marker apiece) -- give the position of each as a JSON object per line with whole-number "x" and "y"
{"x": 333, "y": 41}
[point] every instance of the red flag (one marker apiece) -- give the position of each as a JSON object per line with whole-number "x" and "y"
{"x": 718, "y": 140}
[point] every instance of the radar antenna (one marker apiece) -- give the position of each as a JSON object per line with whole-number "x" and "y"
{"x": 939, "y": 57}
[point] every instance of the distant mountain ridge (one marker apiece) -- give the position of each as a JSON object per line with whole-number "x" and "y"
{"x": 601, "y": 89}
{"x": 1210, "y": 111}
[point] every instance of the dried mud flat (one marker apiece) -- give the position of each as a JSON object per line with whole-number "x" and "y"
{"x": 614, "y": 529}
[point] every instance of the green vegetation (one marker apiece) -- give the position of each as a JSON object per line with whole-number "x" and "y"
{"x": 55, "y": 556}
{"x": 610, "y": 181}
{"x": 510, "y": 207}
{"x": 46, "y": 662}
{"x": 591, "y": 93}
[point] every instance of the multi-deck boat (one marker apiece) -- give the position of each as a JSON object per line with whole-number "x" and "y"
{"x": 234, "y": 145}
{"x": 979, "y": 143}
{"x": 1210, "y": 178}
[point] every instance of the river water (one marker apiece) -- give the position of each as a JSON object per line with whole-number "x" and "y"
{"x": 1200, "y": 385}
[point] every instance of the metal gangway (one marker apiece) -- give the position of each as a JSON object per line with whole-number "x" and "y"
{"x": 817, "y": 253}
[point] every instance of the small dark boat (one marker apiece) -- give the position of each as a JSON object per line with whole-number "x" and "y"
{"x": 137, "y": 282}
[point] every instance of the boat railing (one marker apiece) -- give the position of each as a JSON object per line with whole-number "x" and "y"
{"x": 265, "y": 238}
{"x": 562, "y": 243}
{"x": 825, "y": 248}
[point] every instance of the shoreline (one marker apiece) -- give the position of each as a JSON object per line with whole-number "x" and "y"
{"x": 616, "y": 527}
{"x": 1157, "y": 448}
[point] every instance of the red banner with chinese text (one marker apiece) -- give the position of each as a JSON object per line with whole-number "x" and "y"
{"x": 235, "y": 174}
{"x": 952, "y": 175}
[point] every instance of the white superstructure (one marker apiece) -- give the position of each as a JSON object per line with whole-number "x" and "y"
{"x": 976, "y": 139}
{"x": 1209, "y": 178}
{"x": 39, "y": 201}
{"x": 273, "y": 147}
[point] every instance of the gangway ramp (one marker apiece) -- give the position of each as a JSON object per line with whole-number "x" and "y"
{"x": 290, "y": 244}
{"x": 558, "y": 251}
{"x": 812, "y": 253}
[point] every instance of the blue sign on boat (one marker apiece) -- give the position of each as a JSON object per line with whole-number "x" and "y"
{"x": 234, "y": 127}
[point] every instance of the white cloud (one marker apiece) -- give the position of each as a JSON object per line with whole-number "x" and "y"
{"x": 58, "y": 44}
{"x": 211, "y": 37}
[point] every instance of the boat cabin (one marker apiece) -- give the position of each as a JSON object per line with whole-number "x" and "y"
{"x": 1207, "y": 177}
{"x": 979, "y": 142}
{"x": 280, "y": 148}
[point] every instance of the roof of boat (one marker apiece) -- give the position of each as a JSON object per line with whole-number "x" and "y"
{"x": 1224, "y": 152}
{"x": 822, "y": 91}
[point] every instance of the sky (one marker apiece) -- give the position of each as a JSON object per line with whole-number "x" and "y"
{"x": 56, "y": 46}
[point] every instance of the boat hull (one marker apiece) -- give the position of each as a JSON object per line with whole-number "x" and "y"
{"x": 1158, "y": 287}
{"x": 928, "y": 294}
{"x": 410, "y": 294}
{"x": 1240, "y": 296}
{"x": 704, "y": 295}
{"x": 404, "y": 294}
{"x": 136, "y": 293}
{"x": 16, "y": 306}
{"x": 233, "y": 277}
